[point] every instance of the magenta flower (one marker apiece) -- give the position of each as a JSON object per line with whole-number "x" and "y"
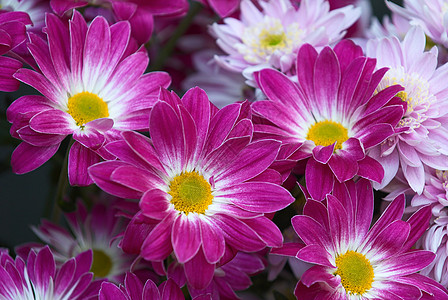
{"x": 139, "y": 13}
{"x": 133, "y": 289}
{"x": 37, "y": 277}
{"x": 92, "y": 87}
{"x": 201, "y": 179}
{"x": 331, "y": 114}
{"x": 420, "y": 140}
{"x": 12, "y": 34}
{"x": 355, "y": 261}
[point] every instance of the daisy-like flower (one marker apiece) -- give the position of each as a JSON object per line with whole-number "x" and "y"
{"x": 331, "y": 114}
{"x": 430, "y": 15}
{"x": 421, "y": 136}
{"x": 201, "y": 180}
{"x": 38, "y": 277}
{"x": 272, "y": 37}
{"x": 355, "y": 261}
{"x": 96, "y": 230}
{"x": 92, "y": 89}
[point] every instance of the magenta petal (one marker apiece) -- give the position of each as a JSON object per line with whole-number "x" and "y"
{"x": 79, "y": 160}
{"x": 338, "y": 221}
{"x": 317, "y": 211}
{"x": 142, "y": 146}
{"x": 150, "y": 291}
{"x": 390, "y": 240}
{"x": 110, "y": 291}
{"x": 419, "y": 223}
{"x": 213, "y": 243}
{"x": 310, "y": 231}
{"x": 393, "y": 212}
{"x": 53, "y": 121}
{"x": 154, "y": 204}
{"x": 26, "y": 157}
{"x": 370, "y": 169}
{"x": 61, "y": 6}
{"x": 39, "y": 139}
{"x": 198, "y": 271}
{"x": 238, "y": 234}
{"x": 8, "y": 67}
{"x": 134, "y": 286}
{"x": 101, "y": 175}
{"x": 186, "y": 237}
{"x": 224, "y": 7}
{"x": 90, "y": 138}
{"x": 258, "y": 196}
{"x": 344, "y": 167}
{"x": 319, "y": 274}
{"x": 170, "y": 291}
{"x": 44, "y": 268}
{"x": 323, "y": 154}
{"x": 315, "y": 254}
{"x": 288, "y": 249}
{"x": 319, "y": 179}
{"x": 134, "y": 178}
{"x": 408, "y": 263}
{"x": 157, "y": 245}
{"x": 166, "y": 133}
{"x": 266, "y": 230}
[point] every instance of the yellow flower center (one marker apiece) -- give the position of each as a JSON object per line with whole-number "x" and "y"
{"x": 190, "y": 192}
{"x": 85, "y": 107}
{"x": 355, "y": 271}
{"x": 325, "y": 133}
{"x": 270, "y": 40}
{"x": 101, "y": 264}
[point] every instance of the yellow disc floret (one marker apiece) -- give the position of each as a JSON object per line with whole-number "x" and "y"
{"x": 101, "y": 264}
{"x": 272, "y": 40}
{"x": 190, "y": 192}
{"x": 355, "y": 271}
{"x": 325, "y": 133}
{"x": 85, "y": 107}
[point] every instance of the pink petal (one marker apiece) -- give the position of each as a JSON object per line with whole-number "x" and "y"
{"x": 79, "y": 160}
{"x": 198, "y": 271}
{"x": 213, "y": 243}
{"x": 26, "y": 157}
{"x": 319, "y": 179}
{"x": 157, "y": 245}
{"x": 186, "y": 237}
{"x": 154, "y": 204}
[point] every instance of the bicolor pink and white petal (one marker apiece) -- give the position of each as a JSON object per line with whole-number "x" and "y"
{"x": 271, "y": 37}
{"x": 421, "y": 137}
{"x": 201, "y": 179}
{"x": 354, "y": 260}
{"x": 92, "y": 87}
{"x": 331, "y": 116}
{"x": 37, "y": 277}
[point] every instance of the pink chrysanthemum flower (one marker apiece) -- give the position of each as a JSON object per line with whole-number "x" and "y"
{"x": 421, "y": 136}
{"x": 272, "y": 37}
{"x": 96, "y": 230}
{"x": 37, "y": 277}
{"x": 355, "y": 261}
{"x": 430, "y": 15}
{"x": 92, "y": 87}
{"x": 133, "y": 289}
{"x": 331, "y": 114}
{"x": 201, "y": 180}
{"x": 13, "y": 34}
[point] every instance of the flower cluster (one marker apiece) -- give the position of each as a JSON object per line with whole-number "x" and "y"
{"x": 261, "y": 132}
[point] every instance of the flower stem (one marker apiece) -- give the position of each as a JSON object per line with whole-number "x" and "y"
{"x": 168, "y": 48}
{"x": 59, "y": 202}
